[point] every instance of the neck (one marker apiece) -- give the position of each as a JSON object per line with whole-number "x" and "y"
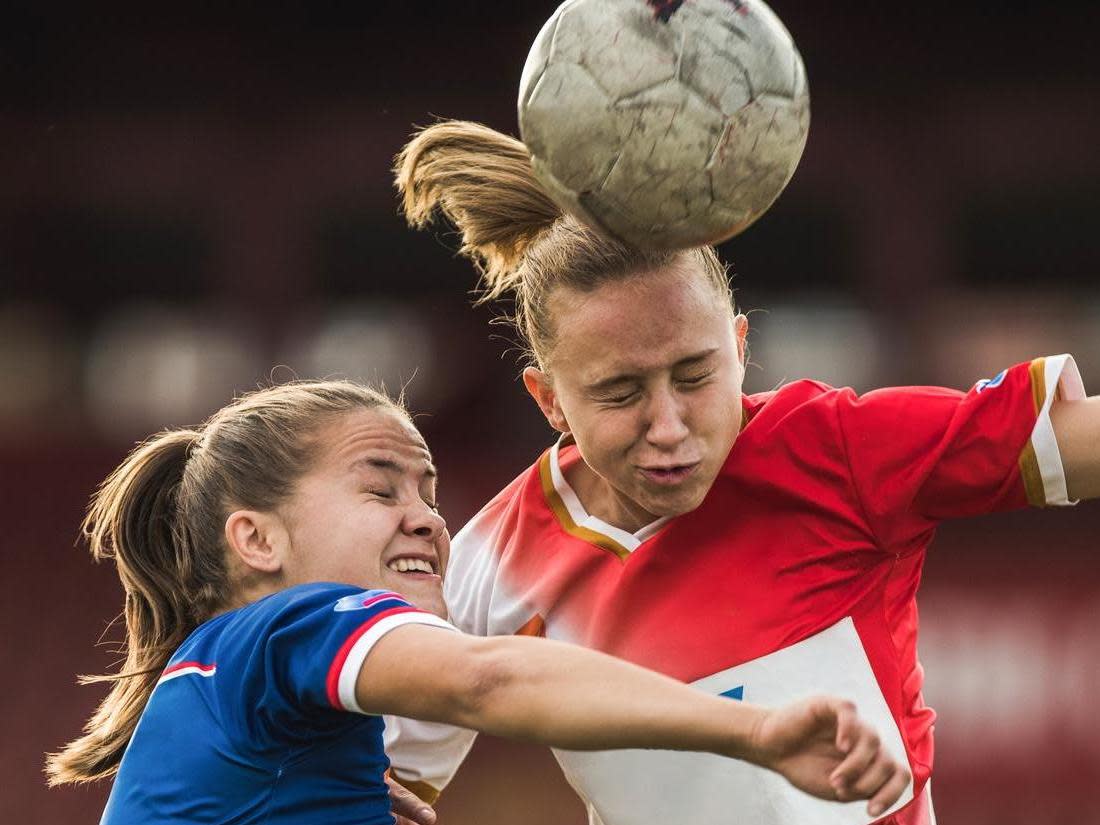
{"x": 604, "y": 502}
{"x": 250, "y": 586}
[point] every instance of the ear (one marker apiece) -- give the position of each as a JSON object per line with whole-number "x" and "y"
{"x": 258, "y": 539}
{"x": 541, "y": 388}
{"x": 741, "y": 330}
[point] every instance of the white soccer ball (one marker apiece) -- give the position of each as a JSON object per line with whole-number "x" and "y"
{"x": 665, "y": 123}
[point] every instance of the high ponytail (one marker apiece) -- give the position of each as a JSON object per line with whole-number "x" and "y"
{"x": 518, "y": 238}
{"x": 134, "y": 519}
{"x": 483, "y": 182}
{"x": 161, "y": 518}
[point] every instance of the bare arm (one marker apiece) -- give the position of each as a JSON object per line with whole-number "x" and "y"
{"x": 546, "y": 692}
{"x": 1077, "y": 429}
{"x": 556, "y": 694}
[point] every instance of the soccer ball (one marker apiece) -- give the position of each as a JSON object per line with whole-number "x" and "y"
{"x": 664, "y": 123}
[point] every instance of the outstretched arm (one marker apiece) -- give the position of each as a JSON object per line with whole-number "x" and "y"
{"x": 1077, "y": 429}
{"x": 556, "y": 694}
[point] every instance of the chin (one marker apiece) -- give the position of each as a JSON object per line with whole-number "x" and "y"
{"x": 423, "y": 594}
{"x": 675, "y": 504}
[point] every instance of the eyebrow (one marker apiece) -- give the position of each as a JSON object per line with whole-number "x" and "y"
{"x": 624, "y": 378}
{"x": 391, "y": 466}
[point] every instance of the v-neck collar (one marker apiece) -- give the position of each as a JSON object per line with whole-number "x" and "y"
{"x": 577, "y": 521}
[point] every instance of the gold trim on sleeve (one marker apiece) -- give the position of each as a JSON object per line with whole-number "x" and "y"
{"x": 1032, "y": 476}
{"x": 1038, "y": 374}
{"x": 1030, "y": 472}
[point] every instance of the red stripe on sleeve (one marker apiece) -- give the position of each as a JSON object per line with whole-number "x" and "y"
{"x": 332, "y": 683}
{"x": 182, "y": 665}
{"x": 381, "y": 597}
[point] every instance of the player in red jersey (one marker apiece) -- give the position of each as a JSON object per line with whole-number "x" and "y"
{"x": 761, "y": 547}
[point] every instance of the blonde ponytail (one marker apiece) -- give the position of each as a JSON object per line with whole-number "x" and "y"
{"x": 483, "y": 182}
{"x": 134, "y": 519}
{"x": 518, "y": 238}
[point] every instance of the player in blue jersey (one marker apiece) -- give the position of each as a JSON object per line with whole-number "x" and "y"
{"x": 262, "y": 555}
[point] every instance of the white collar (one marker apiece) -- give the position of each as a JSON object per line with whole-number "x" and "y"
{"x": 582, "y": 519}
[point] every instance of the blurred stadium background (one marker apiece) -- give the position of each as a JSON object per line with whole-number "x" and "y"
{"x": 192, "y": 205}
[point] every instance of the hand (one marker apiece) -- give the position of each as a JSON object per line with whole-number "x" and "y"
{"x": 821, "y": 746}
{"x": 407, "y": 807}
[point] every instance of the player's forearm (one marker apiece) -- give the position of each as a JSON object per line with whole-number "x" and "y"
{"x": 568, "y": 697}
{"x": 1077, "y": 430}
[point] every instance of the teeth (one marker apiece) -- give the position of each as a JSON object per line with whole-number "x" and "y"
{"x": 410, "y": 565}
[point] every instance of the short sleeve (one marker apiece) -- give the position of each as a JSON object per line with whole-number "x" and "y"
{"x": 919, "y": 455}
{"x": 319, "y": 637}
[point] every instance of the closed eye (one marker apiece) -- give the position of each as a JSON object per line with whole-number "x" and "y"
{"x": 695, "y": 379}
{"x": 621, "y": 398}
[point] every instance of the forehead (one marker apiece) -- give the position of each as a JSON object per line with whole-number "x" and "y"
{"x": 647, "y": 321}
{"x": 378, "y": 433}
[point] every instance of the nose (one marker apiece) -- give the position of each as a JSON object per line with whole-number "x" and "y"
{"x": 422, "y": 521}
{"x": 666, "y": 426}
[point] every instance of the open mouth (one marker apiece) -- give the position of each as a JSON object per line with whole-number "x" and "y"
{"x": 412, "y": 566}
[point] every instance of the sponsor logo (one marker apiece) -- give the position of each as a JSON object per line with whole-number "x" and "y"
{"x": 990, "y": 383}
{"x": 737, "y": 693}
{"x": 361, "y": 601}
{"x": 357, "y": 601}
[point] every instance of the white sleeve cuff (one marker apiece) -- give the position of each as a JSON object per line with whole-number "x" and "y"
{"x": 1056, "y": 377}
{"x": 349, "y": 673}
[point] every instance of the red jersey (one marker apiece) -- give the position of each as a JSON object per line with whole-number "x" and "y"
{"x": 797, "y": 575}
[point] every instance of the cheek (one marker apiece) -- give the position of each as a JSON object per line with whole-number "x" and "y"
{"x": 613, "y": 444}
{"x": 444, "y": 551}
{"x": 350, "y": 534}
{"x": 615, "y": 431}
{"x": 718, "y": 402}
{"x": 718, "y": 424}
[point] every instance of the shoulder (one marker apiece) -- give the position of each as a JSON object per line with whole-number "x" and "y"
{"x": 805, "y": 398}
{"x": 296, "y": 606}
{"x": 806, "y": 411}
{"x": 237, "y": 644}
{"x": 791, "y": 430}
{"x": 302, "y": 598}
{"x": 516, "y": 517}
{"x": 803, "y": 390}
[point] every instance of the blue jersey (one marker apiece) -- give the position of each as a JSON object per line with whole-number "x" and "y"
{"x": 255, "y": 718}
